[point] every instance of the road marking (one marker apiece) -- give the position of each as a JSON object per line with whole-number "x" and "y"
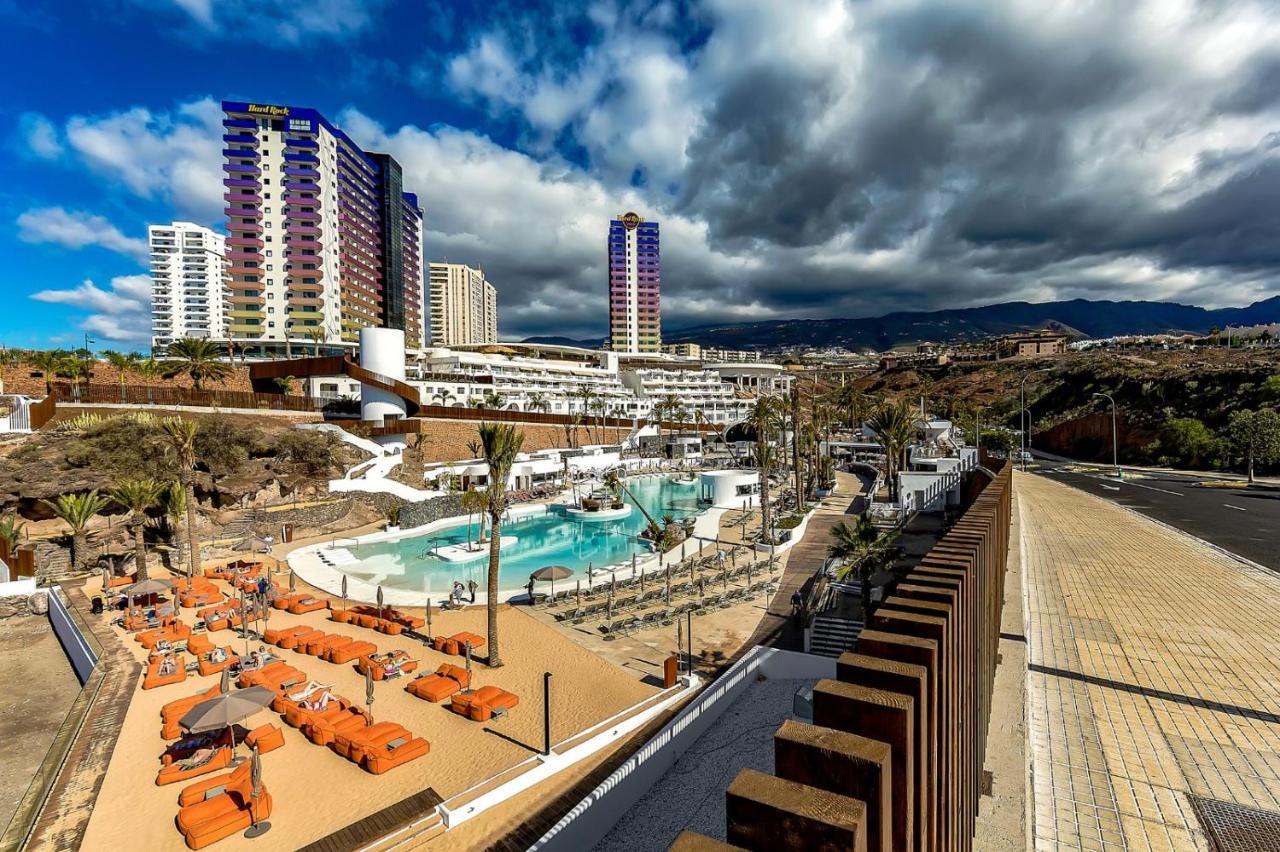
{"x": 1237, "y": 508}
{"x": 1153, "y": 488}
{"x": 1111, "y": 487}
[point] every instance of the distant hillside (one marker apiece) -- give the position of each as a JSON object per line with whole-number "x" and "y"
{"x": 552, "y": 340}
{"x": 1077, "y": 317}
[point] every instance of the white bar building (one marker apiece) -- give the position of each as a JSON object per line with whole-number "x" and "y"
{"x": 189, "y": 289}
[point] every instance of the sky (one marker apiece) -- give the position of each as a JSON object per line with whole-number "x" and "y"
{"x": 807, "y": 158}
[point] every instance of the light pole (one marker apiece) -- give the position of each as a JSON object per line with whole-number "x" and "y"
{"x": 1026, "y": 419}
{"x": 1115, "y": 445}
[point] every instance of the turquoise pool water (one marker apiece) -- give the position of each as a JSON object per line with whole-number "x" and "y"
{"x": 551, "y": 539}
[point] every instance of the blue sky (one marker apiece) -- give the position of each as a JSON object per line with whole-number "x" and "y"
{"x": 809, "y": 158}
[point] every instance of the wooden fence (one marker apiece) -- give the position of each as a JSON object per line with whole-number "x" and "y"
{"x": 40, "y": 413}
{"x": 107, "y": 394}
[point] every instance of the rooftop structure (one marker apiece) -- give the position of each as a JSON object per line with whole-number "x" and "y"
{"x": 188, "y": 283}
{"x": 324, "y": 241}
{"x": 635, "y": 284}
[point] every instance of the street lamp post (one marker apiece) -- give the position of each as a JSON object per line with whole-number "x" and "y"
{"x": 1115, "y": 444}
{"x": 1026, "y": 419}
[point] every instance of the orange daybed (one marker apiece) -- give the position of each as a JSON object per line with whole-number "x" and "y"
{"x": 380, "y": 749}
{"x": 352, "y": 650}
{"x": 307, "y": 604}
{"x": 265, "y": 738}
{"x": 208, "y": 820}
{"x": 171, "y": 633}
{"x": 154, "y": 678}
{"x": 456, "y": 644}
{"x": 207, "y": 666}
{"x": 175, "y": 772}
{"x": 379, "y": 662}
{"x": 435, "y": 688}
{"x": 484, "y": 703}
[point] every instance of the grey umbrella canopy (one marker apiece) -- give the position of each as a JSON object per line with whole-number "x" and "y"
{"x": 344, "y": 591}
{"x": 148, "y": 587}
{"x": 379, "y": 601}
{"x": 257, "y": 828}
{"x": 552, "y": 573}
{"x": 253, "y": 544}
{"x": 225, "y": 710}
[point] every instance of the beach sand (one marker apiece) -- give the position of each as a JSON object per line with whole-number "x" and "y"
{"x": 315, "y": 791}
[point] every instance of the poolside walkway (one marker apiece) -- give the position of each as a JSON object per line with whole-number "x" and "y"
{"x": 1153, "y": 682}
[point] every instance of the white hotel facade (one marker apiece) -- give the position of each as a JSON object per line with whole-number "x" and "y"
{"x": 189, "y": 283}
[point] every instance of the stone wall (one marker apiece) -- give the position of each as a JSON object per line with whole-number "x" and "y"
{"x": 893, "y": 759}
{"x": 29, "y": 381}
{"x": 319, "y": 515}
{"x": 426, "y": 511}
{"x": 15, "y": 605}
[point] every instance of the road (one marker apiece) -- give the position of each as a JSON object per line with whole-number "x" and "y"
{"x": 1244, "y": 521}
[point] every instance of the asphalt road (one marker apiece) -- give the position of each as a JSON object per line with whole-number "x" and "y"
{"x": 1244, "y": 521}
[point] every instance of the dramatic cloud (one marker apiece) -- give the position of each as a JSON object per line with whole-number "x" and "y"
{"x": 176, "y": 156}
{"x": 76, "y": 229}
{"x": 853, "y": 158}
{"x": 280, "y": 20}
{"x": 121, "y": 313}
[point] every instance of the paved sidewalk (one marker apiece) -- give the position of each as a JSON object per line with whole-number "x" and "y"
{"x": 1154, "y": 675}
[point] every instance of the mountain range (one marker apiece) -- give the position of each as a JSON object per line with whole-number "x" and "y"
{"x": 1077, "y": 317}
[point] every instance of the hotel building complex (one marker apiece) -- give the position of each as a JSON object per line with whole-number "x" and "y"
{"x": 464, "y": 306}
{"x": 635, "y": 281}
{"x": 323, "y": 239}
{"x": 188, "y": 283}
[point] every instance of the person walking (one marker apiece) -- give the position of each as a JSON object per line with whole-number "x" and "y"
{"x": 472, "y": 585}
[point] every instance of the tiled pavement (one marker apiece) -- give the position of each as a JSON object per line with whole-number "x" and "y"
{"x": 1154, "y": 674}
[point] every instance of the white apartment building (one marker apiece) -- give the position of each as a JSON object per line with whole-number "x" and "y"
{"x": 188, "y": 283}
{"x": 464, "y": 306}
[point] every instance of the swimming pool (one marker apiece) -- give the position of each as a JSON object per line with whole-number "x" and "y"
{"x": 542, "y": 540}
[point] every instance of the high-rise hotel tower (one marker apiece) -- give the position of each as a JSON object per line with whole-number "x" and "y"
{"x": 323, "y": 240}
{"x": 635, "y": 281}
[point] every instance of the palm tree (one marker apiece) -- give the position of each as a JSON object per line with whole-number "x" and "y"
{"x": 11, "y": 530}
{"x": 502, "y": 443}
{"x": 316, "y": 335}
{"x": 180, "y": 438}
{"x": 492, "y": 399}
{"x": 851, "y": 545}
{"x": 285, "y": 384}
{"x": 77, "y": 510}
{"x": 124, "y": 363}
{"x": 444, "y": 396}
{"x": 894, "y": 425}
{"x": 474, "y": 501}
{"x": 76, "y": 368}
{"x": 197, "y": 358}
{"x": 46, "y": 361}
{"x": 538, "y": 402}
{"x": 763, "y": 419}
{"x": 137, "y": 495}
{"x": 173, "y": 502}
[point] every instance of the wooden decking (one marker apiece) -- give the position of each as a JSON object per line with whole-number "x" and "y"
{"x": 378, "y": 825}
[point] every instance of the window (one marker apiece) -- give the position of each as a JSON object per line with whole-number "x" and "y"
{"x": 271, "y": 310}
{"x": 266, "y": 182}
{"x": 266, "y": 209}
{"x": 269, "y": 267}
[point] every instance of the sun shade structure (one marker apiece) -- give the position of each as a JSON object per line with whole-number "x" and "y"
{"x": 148, "y": 587}
{"x": 227, "y": 709}
{"x": 552, "y": 573}
{"x": 254, "y": 544}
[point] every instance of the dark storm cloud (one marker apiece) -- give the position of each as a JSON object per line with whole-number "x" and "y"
{"x": 864, "y": 157}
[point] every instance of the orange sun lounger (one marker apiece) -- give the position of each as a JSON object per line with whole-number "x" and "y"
{"x": 379, "y": 663}
{"x": 352, "y": 650}
{"x": 483, "y": 704}
{"x": 265, "y": 738}
{"x": 287, "y": 637}
{"x": 435, "y": 688}
{"x": 274, "y": 676}
{"x": 456, "y": 644}
{"x": 295, "y": 715}
{"x": 171, "y": 633}
{"x": 286, "y": 600}
{"x": 207, "y": 666}
{"x": 321, "y": 728}
{"x": 221, "y": 814}
{"x": 381, "y": 749}
{"x": 153, "y": 677}
{"x": 175, "y": 772}
{"x": 351, "y": 744}
{"x": 307, "y": 604}
{"x": 201, "y": 598}
{"x": 318, "y": 645}
{"x": 199, "y": 644}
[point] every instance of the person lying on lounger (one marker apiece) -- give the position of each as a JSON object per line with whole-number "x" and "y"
{"x": 199, "y": 758}
{"x": 163, "y": 647}
{"x": 307, "y": 691}
{"x": 217, "y": 655}
{"x": 318, "y": 703}
{"x": 168, "y": 666}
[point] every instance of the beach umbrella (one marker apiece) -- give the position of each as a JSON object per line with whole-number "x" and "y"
{"x": 578, "y": 591}
{"x": 749, "y": 564}
{"x": 633, "y": 570}
{"x": 679, "y": 640}
{"x": 147, "y": 588}
{"x": 106, "y": 579}
{"x": 379, "y": 600}
{"x": 293, "y": 580}
{"x": 466, "y": 652}
{"x": 254, "y": 544}
{"x": 724, "y": 575}
{"x": 702, "y": 589}
{"x": 226, "y": 710}
{"x": 668, "y": 584}
{"x": 733, "y": 556}
{"x": 428, "y": 639}
{"x": 368, "y": 691}
{"x": 256, "y": 829}
{"x": 683, "y": 542}
{"x": 552, "y": 573}
{"x": 224, "y": 683}
{"x": 692, "y": 564}
{"x": 611, "y": 601}
{"x": 344, "y": 591}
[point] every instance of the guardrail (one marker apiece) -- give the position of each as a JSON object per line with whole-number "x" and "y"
{"x": 80, "y": 650}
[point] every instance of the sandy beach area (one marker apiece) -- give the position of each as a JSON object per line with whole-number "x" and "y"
{"x": 315, "y": 791}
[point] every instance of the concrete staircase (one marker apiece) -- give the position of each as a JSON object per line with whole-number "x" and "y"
{"x": 832, "y": 636}
{"x": 241, "y": 527}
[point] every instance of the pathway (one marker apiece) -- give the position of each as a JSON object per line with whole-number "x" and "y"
{"x": 1153, "y": 682}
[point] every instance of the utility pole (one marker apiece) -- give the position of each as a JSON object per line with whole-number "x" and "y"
{"x": 1026, "y": 419}
{"x": 1115, "y": 444}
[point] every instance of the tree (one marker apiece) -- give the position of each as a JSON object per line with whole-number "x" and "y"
{"x": 137, "y": 495}
{"x": 124, "y": 363}
{"x": 11, "y": 530}
{"x": 46, "y": 362}
{"x": 1255, "y": 435}
{"x": 538, "y": 402}
{"x": 76, "y": 368}
{"x": 502, "y": 443}
{"x": 474, "y": 502}
{"x": 148, "y": 368}
{"x": 180, "y": 437}
{"x": 850, "y": 545}
{"x": 894, "y": 425}
{"x": 1183, "y": 442}
{"x": 316, "y": 335}
{"x": 763, "y": 419}
{"x": 76, "y": 510}
{"x": 444, "y": 396}
{"x": 173, "y": 502}
{"x": 285, "y": 384}
{"x": 492, "y": 399}
{"x": 200, "y": 359}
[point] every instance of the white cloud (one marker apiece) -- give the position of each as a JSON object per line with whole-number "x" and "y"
{"x": 76, "y": 229}
{"x": 120, "y": 313}
{"x": 176, "y": 156}
{"x": 40, "y": 136}
{"x": 279, "y": 21}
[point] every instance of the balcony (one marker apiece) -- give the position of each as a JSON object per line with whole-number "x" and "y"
{"x": 306, "y": 301}
{"x": 238, "y": 154}
{"x": 301, "y": 215}
{"x": 301, "y": 200}
{"x": 314, "y": 287}
{"x": 244, "y": 270}
{"x": 307, "y": 230}
{"x": 241, "y": 182}
{"x": 303, "y": 157}
{"x": 247, "y": 123}
{"x": 305, "y": 314}
{"x": 301, "y": 186}
{"x": 245, "y": 227}
{"x": 241, "y": 299}
{"x": 240, "y": 138}
{"x": 293, "y": 171}
{"x": 238, "y": 169}
{"x": 302, "y": 243}
{"x": 245, "y": 313}
{"x": 244, "y": 241}
{"x": 244, "y": 255}
{"x": 243, "y": 212}
{"x": 246, "y": 328}
{"x": 296, "y": 142}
